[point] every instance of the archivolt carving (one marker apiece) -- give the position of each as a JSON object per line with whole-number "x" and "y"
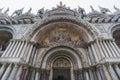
{"x": 61, "y": 63}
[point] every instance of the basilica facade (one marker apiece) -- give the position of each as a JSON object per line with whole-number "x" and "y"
{"x": 60, "y": 44}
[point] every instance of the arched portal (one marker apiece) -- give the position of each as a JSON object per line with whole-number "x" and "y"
{"x": 61, "y": 62}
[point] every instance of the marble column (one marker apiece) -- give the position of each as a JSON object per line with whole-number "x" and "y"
{"x": 33, "y": 75}
{"x": 114, "y": 48}
{"x": 94, "y": 73}
{"x": 18, "y": 74}
{"x": 107, "y": 75}
{"x": 112, "y": 72}
{"x": 9, "y": 50}
{"x": 117, "y": 70}
{"x": 94, "y": 52}
{"x": 100, "y": 71}
{"x": 29, "y": 52}
{"x": 7, "y": 72}
{"x": 110, "y": 48}
{"x": 37, "y": 76}
{"x": 80, "y": 75}
{"x": 2, "y": 69}
{"x": 14, "y": 71}
{"x": 100, "y": 49}
{"x": 24, "y": 49}
{"x": 107, "y": 49}
{"x": 76, "y": 74}
{"x": 8, "y": 47}
{"x": 14, "y": 48}
{"x": 91, "y": 74}
{"x": 104, "y": 50}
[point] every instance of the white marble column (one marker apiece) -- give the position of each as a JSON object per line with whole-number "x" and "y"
{"x": 14, "y": 48}
{"x": 112, "y": 73}
{"x": 90, "y": 54}
{"x": 87, "y": 76}
{"x": 37, "y": 76}
{"x": 7, "y": 49}
{"x": 117, "y": 70}
{"x": 100, "y": 49}
{"x": 13, "y": 73}
{"x": 107, "y": 49}
{"x": 17, "y": 48}
{"x": 29, "y": 52}
{"x": 20, "y": 49}
{"x": 17, "y": 77}
{"x": 117, "y": 48}
{"x": 2, "y": 69}
{"x": 24, "y": 49}
{"x": 110, "y": 48}
{"x": 91, "y": 74}
{"x": 104, "y": 50}
{"x": 107, "y": 75}
{"x": 94, "y": 52}
{"x": 7, "y": 72}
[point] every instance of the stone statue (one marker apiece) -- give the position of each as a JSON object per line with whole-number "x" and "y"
{"x": 104, "y": 10}
{"x": 117, "y": 9}
{"x": 40, "y": 12}
{"x": 18, "y": 12}
{"x": 29, "y": 11}
{"x": 81, "y": 11}
{"x": 6, "y": 11}
{"x": 1, "y": 10}
{"x": 93, "y": 10}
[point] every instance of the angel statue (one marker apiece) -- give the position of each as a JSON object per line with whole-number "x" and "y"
{"x": 18, "y": 12}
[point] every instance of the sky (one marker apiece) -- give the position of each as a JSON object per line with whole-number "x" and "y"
{"x": 48, "y": 4}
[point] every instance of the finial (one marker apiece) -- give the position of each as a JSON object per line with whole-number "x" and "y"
{"x": 6, "y": 11}
{"x": 1, "y": 9}
{"x": 29, "y": 11}
{"x": 104, "y": 10}
{"x": 117, "y": 9}
{"x": 61, "y": 6}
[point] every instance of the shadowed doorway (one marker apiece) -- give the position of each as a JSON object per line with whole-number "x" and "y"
{"x": 61, "y": 74}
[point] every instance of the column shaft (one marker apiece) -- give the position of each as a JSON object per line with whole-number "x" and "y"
{"x": 9, "y": 46}
{"x": 112, "y": 72}
{"x": 20, "y": 50}
{"x": 16, "y": 49}
{"x": 104, "y": 50}
{"x": 18, "y": 74}
{"x": 37, "y": 77}
{"x": 2, "y": 69}
{"x": 7, "y": 72}
{"x": 14, "y": 71}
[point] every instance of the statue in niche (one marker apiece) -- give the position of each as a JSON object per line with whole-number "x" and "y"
{"x": 68, "y": 38}
{"x": 61, "y": 36}
{"x": 53, "y": 39}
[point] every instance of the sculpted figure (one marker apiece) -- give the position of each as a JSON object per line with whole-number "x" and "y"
{"x": 29, "y": 11}
{"x": 93, "y": 10}
{"x": 104, "y": 10}
{"x": 1, "y": 10}
{"x": 117, "y": 9}
{"x": 6, "y": 11}
{"x": 81, "y": 11}
{"x": 40, "y": 12}
{"x": 18, "y": 12}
